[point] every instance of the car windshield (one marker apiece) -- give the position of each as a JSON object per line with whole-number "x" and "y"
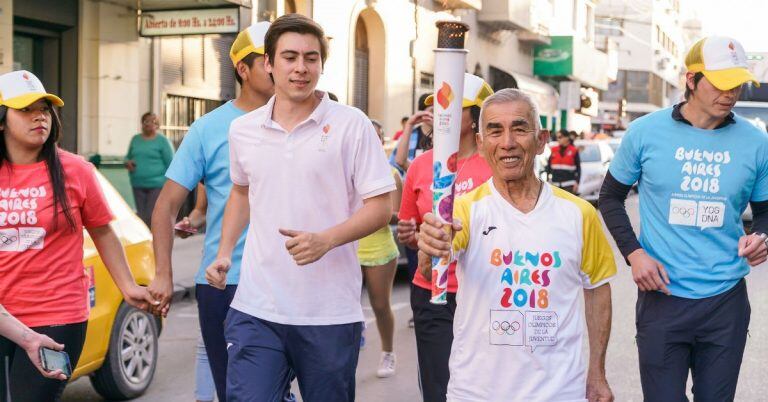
{"x": 589, "y": 153}
{"x": 752, "y": 113}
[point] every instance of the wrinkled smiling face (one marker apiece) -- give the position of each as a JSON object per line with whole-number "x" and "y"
{"x": 509, "y": 141}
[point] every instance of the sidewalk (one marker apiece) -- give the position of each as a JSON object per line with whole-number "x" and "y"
{"x": 187, "y": 254}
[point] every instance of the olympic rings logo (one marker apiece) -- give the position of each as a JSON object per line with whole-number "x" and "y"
{"x": 8, "y": 240}
{"x": 505, "y": 327}
{"x": 682, "y": 211}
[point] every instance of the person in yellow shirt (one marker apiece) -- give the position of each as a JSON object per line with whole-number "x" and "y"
{"x": 378, "y": 257}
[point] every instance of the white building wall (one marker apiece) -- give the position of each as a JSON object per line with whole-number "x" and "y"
{"x": 114, "y": 88}
{"x": 391, "y": 78}
{"x": 639, "y": 49}
{"x": 639, "y": 46}
{"x": 391, "y": 93}
{"x": 563, "y": 19}
{"x": 6, "y": 36}
{"x": 664, "y": 63}
{"x": 635, "y": 47}
{"x": 500, "y": 49}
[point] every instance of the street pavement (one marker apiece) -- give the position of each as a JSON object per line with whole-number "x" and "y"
{"x": 175, "y": 377}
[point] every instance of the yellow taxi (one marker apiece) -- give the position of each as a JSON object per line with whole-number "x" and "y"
{"x": 120, "y": 351}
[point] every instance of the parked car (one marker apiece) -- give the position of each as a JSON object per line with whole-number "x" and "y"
{"x": 120, "y": 351}
{"x": 614, "y": 144}
{"x": 618, "y": 133}
{"x": 595, "y": 157}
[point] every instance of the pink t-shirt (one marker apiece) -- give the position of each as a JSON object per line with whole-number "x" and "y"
{"x": 417, "y": 197}
{"x": 42, "y": 278}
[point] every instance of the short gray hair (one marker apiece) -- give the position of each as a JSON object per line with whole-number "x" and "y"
{"x": 510, "y": 95}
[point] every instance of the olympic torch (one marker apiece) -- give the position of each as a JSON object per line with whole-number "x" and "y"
{"x": 450, "y": 59}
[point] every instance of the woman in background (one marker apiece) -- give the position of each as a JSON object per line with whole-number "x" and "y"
{"x": 378, "y": 257}
{"x": 149, "y": 155}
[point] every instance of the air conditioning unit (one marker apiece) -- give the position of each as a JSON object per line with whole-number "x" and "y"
{"x": 588, "y": 101}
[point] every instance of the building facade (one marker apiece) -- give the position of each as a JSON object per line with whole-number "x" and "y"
{"x": 381, "y": 52}
{"x": 113, "y": 60}
{"x": 651, "y": 43}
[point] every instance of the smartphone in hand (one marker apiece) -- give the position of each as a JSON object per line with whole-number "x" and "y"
{"x": 183, "y": 228}
{"x": 53, "y": 360}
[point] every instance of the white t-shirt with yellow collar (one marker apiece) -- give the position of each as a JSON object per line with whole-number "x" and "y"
{"x": 519, "y": 324}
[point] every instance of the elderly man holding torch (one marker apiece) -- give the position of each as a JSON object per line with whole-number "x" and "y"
{"x": 525, "y": 250}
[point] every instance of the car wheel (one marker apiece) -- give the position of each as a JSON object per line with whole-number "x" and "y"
{"x": 132, "y": 356}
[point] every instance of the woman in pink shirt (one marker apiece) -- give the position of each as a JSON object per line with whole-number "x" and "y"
{"x": 47, "y": 197}
{"x": 434, "y": 323}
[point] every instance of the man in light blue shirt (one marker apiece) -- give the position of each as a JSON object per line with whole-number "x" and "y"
{"x": 697, "y": 165}
{"x": 204, "y": 156}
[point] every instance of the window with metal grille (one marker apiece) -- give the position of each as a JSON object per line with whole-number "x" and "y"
{"x": 192, "y": 68}
{"x": 427, "y": 81}
{"x": 179, "y": 112}
{"x": 171, "y": 60}
{"x": 197, "y": 66}
{"x": 196, "y": 77}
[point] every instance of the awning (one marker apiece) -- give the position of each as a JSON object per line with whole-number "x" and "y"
{"x": 158, "y": 5}
{"x": 542, "y": 93}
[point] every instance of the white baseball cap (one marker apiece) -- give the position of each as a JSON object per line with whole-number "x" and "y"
{"x": 19, "y": 89}
{"x": 475, "y": 91}
{"x": 722, "y": 60}
{"x": 250, "y": 40}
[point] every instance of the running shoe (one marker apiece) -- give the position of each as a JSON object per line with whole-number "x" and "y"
{"x": 386, "y": 365}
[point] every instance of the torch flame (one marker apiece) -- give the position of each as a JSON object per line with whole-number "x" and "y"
{"x": 445, "y": 95}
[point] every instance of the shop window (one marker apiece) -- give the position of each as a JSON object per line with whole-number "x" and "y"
{"x": 656, "y": 90}
{"x": 637, "y": 86}
{"x": 23, "y": 53}
{"x": 616, "y": 88}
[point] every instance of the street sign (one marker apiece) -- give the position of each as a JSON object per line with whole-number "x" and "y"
{"x": 555, "y": 59}
{"x": 190, "y": 22}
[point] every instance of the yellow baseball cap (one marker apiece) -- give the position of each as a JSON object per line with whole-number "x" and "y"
{"x": 475, "y": 92}
{"x": 19, "y": 89}
{"x": 250, "y": 40}
{"x": 722, "y": 60}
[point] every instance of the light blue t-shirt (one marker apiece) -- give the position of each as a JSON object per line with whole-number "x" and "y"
{"x": 204, "y": 155}
{"x": 694, "y": 185}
